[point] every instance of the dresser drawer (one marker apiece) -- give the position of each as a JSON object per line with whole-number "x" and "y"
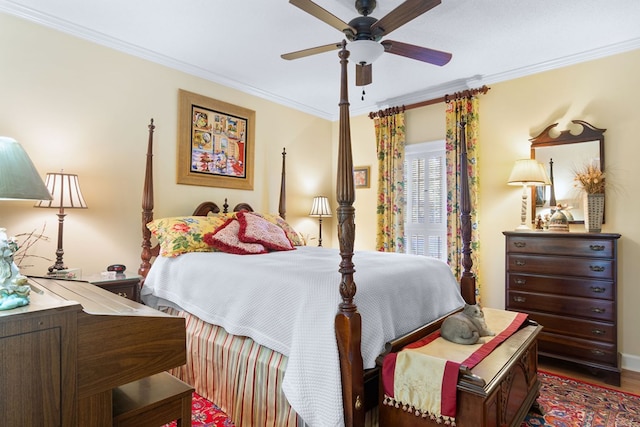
{"x": 568, "y": 326}
{"x": 593, "y": 351}
{"x": 561, "y": 285}
{"x": 565, "y": 266}
{"x": 125, "y": 290}
{"x": 595, "y": 248}
{"x": 568, "y": 306}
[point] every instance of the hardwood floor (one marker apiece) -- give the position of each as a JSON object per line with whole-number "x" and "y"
{"x": 629, "y": 382}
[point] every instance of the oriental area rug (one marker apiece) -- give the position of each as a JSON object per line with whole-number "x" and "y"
{"x": 565, "y": 402}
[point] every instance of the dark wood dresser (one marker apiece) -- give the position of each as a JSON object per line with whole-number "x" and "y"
{"x": 567, "y": 283}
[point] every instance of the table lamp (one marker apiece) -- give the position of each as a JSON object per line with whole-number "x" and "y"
{"x": 527, "y": 172}
{"x": 65, "y": 189}
{"x": 319, "y": 209}
{"x": 19, "y": 180}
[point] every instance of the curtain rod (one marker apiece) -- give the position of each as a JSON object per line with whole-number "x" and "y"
{"x": 458, "y": 95}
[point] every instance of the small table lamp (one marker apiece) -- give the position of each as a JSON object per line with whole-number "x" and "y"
{"x": 66, "y": 193}
{"x": 319, "y": 209}
{"x": 527, "y": 172}
{"x": 19, "y": 180}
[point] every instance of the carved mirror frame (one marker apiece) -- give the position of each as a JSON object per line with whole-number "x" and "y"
{"x": 589, "y": 134}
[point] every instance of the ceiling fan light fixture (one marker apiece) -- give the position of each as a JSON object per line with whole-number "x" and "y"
{"x": 365, "y": 51}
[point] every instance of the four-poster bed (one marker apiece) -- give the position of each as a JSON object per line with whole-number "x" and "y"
{"x": 352, "y": 345}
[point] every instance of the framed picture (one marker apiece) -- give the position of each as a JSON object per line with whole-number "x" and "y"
{"x": 361, "y": 176}
{"x": 215, "y": 143}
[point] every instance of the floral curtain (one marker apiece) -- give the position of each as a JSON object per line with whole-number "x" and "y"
{"x": 458, "y": 112}
{"x": 390, "y": 142}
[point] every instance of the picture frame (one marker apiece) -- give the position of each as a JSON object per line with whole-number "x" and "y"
{"x": 361, "y": 176}
{"x": 216, "y": 142}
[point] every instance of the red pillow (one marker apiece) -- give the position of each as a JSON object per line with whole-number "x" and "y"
{"x": 255, "y": 229}
{"x": 226, "y": 239}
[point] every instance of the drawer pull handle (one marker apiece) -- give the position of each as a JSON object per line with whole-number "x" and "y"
{"x": 520, "y": 263}
{"x": 519, "y": 244}
{"x": 519, "y": 299}
{"x": 598, "y": 332}
{"x": 598, "y": 310}
{"x": 597, "y": 352}
{"x": 597, "y": 268}
{"x": 596, "y": 247}
{"x": 123, "y": 294}
{"x": 598, "y": 289}
{"x": 520, "y": 281}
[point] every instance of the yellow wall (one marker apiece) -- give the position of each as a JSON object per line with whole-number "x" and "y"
{"x": 604, "y": 93}
{"x": 84, "y": 108}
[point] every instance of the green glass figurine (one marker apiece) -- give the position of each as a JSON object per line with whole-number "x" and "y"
{"x": 14, "y": 289}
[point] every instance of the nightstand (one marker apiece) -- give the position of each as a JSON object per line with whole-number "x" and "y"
{"x": 126, "y": 285}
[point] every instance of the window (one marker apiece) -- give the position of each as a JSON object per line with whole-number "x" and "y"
{"x": 426, "y": 193}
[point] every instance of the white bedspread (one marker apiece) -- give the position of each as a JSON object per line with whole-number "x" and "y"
{"x": 287, "y": 301}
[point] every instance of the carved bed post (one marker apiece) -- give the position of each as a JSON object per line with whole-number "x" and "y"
{"x": 282, "y": 206}
{"x": 147, "y": 207}
{"x": 348, "y": 322}
{"x": 468, "y": 280}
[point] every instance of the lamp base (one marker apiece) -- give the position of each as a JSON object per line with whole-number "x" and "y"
{"x": 67, "y": 273}
{"x": 54, "y": 269}
{"x": 523, "y": 227}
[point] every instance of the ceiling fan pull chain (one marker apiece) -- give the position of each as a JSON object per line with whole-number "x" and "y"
{"x": 363, "y": 94}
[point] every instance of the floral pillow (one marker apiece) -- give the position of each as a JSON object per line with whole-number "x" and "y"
{"x": 256, "y": 229}
{"x": 226, "y": 239}
{"x": 292, "y": 234}
{"x": 178, "y": 235}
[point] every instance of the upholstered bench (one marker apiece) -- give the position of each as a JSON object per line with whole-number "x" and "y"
{"x": 152, "y": 402}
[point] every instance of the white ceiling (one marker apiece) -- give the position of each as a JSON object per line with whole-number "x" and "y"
{"x": 238, "y": 43}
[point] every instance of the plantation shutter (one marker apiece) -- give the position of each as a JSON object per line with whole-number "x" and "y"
{"x": 425, "y": 213}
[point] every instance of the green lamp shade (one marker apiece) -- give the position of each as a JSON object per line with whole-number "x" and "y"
{"x": 19, "y": 179}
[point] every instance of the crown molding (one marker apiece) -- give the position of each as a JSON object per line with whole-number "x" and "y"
{"x": 411, "y": 98}
{"x": 477, "y": 81}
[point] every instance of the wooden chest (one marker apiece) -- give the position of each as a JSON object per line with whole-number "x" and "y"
{"x": 567, "y": 283}
{"x": 498, "y": 391}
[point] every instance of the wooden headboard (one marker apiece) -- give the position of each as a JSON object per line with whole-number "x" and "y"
{"x": 205, "y": 208}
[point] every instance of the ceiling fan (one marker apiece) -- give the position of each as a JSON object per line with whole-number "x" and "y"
{"x": 365, "y": 32}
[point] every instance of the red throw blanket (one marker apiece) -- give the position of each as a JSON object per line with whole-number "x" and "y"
{"x": 423, "y": 376}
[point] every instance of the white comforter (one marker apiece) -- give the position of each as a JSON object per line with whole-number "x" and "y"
{"x": 287, "y": 301}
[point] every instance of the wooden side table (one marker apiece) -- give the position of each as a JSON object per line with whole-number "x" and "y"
{"x": 126, "y": 285}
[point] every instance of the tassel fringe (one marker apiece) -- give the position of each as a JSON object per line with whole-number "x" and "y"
{"x": 440, "y": 419}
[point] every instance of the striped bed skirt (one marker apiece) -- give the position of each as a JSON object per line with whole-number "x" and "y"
{"x": 240, "y": 376}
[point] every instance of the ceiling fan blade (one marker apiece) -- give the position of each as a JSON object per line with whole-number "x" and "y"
{"x": 322, "y": 14}
{"x": 311, "y": 51}
{"x": 432, "y": 56}
{"x": 402, "y": 14}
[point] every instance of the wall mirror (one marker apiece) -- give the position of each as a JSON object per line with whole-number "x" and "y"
{"x": 561, "y": 156}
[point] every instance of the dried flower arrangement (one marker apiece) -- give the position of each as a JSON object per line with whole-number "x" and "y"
{"x": 21, "y": 252}
{"x": 590, "y": 179}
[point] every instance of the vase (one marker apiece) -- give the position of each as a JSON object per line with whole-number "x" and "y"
{"x": 593, "y": 212}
